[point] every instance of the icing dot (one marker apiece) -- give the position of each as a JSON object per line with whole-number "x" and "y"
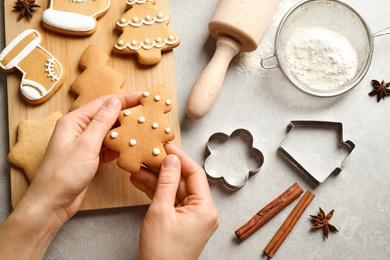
{"x": 123, "y": 20}
{"x": 132, "y": 142}
{"x": 127, "y": 112}
{"x": 170, "y": 37}
{"x": 157, "y": 98}
{"x": 156, "y": 151}
{"x": 141, "y": 119}
{"x": 146, "y": 94}
{"x": 147, "y": 41}
{"x": 167, "y": 130}
{"x": 159, "y": 15}
{"x": 133, "y": 42}
{"x": 147, "y": 17}
{"x": 168, "y": 102}
{"x": 135, "y": 19}
{"x": 155, "y": 125}
{"x": 114, "y": 135}
{"x": 120, "y": 42}
{"x": 158, "y": 39}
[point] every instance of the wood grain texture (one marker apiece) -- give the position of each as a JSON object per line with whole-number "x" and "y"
{"x": 111, "y": 186}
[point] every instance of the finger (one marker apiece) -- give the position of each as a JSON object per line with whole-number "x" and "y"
{"x": 146, "y": 176}
{"x": 196, "y": 180}
{"x": 167, "y": 184}
{"x": 107, "y": 155}
{"x": 142, "y": 186}
{"x": 103, "y": 120}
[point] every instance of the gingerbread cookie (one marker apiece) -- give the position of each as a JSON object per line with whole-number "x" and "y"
{"x": 74, "y": 17}
{"x": 143, "y": 131}
{"x": 145, "y": 32}
{"x": 43, "y": 74}
{"x": 33, "y": 138}
{"x": 98, "y": 79}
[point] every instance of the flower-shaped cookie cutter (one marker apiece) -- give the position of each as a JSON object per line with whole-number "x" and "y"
{"x": 232, "y": 159}
{"x": 322, "y": 161}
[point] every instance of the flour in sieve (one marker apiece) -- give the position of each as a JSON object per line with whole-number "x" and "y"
{"x": 321, "y": 58}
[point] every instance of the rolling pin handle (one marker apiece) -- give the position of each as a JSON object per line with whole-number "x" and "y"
{"x": 206, "y": 88}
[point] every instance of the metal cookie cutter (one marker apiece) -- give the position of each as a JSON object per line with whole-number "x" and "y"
{"x": 232, "y": 159}
{"x": 314, "y": 147}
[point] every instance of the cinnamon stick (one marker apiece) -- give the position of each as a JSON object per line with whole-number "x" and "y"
{"x": 269, "y": 211}
{"x": 288, "y": 224}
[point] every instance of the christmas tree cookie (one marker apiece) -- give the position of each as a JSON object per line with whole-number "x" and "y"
{"x": 145, "y": 32}
{"x": 98, "y": 79}
{"x": 143, "y": 131}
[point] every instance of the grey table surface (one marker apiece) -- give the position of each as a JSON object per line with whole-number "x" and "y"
{"x": 263, "y": 102}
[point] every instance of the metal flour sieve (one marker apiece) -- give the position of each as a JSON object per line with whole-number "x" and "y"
{"x": 336, "y": 16}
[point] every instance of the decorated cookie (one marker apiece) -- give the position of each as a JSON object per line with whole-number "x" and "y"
{"x": 74, "y": 17}
{"x": 143, "y": 131}
{"x": 145, "y": 32}
{"x": 98, "y": 79}
{"x": 33, "y": 137}
{"x": 43, "y": 74}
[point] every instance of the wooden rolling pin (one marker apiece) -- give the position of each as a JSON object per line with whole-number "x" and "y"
{"x": 238, "y": 25}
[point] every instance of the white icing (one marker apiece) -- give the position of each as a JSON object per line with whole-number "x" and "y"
{"x": 121, "y": 42}
{"x": 127, "y": 112}
{"x": 158, "y": 39}
{"x": 156, "y": 151}
{"x": 137, "y": 22}
{"x": 50, "y": 69}
{"x": 146, "y": 94}
{"x": 32, "y": 90}
{"x": 147, "y": 41}
{"x": 114, "y": 135}
{"x": 77, "y": 1}
{"x": 133, "y": 42}
{"x": 71, "y": 21}
{"x": 133, "y": 142}
{"x": 68, "y": 21}
{"x": 156, "y": 44}
{"x": 168, "y": 102}
{"x": 155, "y": 125}
{"x": 23, "y": 53}
{"x": 167, "y": 130}
{"x": 157, "y": 98}
{"x": 130, "y": 2}
{"x": 141, "y": 119}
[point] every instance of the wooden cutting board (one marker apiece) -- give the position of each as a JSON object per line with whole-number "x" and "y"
{"x": 111, "y": 186}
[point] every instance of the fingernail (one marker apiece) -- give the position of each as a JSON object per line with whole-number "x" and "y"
{"x": 112, "y": 103}
{"x": 171, "y": 161}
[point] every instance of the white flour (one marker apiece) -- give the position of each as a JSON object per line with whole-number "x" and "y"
{"x": 321, "y": 58}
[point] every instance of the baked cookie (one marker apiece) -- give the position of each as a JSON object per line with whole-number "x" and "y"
{"x": 30, "y": 147}
{"x": 98, "y": 79}
{"x": 43, "y": 74}
{"x": 145, "y": 32}
{"x": 74, "y": 17}
{"x": 143, "y": 131}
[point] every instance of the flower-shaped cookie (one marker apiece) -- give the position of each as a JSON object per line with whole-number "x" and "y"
{"x": 232, "y": 159}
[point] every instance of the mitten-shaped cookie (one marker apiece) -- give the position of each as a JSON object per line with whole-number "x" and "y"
{"x": 143, "y": 131}
{"x": 98, "y": 79}
{"x": 74, "y": 17}
{"x": 43, "y": 74}
{"x": 145, "y": 32}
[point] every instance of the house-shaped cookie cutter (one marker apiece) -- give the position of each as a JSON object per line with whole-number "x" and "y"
{"x": 232, "y": 159}
{"x": 347, "y": 145}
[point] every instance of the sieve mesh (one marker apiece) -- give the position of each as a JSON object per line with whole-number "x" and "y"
{"x": 334, "y": 15}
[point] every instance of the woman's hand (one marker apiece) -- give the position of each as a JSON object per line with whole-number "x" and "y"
{"x": 181, "y": 231}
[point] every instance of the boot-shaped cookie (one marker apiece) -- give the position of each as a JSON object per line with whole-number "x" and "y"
{"x": 74, "y": 17}
{"x": 42, "y": 76}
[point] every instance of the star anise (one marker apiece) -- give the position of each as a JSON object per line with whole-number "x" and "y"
{"x": 381, "y": 90}
{"x": 322, "y": 221}
{"x": 25, "y": 8}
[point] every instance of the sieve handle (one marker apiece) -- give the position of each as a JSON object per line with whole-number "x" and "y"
{"x": 263, "y": 60}
{"x": 383, "y": 31}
